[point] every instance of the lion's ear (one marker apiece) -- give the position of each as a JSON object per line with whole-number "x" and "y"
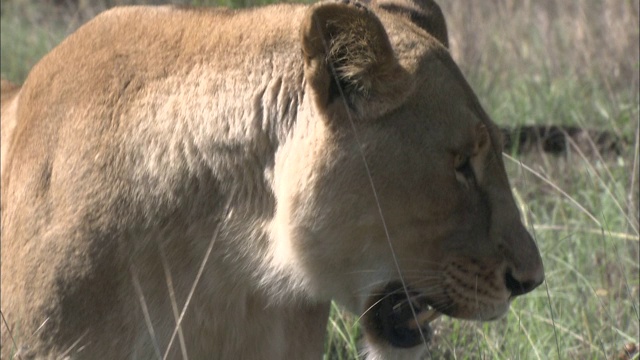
{"x": 424, "y": 13}
{"x": 349, "y": 61}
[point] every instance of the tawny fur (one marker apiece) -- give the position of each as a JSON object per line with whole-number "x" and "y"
{"x": 9, "y": 100}
{"x": 153, "y": 134}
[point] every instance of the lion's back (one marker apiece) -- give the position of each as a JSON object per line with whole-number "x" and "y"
{"x": 133, "y": 51}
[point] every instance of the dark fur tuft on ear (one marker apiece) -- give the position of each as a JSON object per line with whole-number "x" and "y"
{"x": 347, "y": 54}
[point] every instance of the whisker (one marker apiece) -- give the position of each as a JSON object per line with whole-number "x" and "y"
{"x": 419, "y": 261}
{"x": 371, "y": 307}
{"x": 75, "y": 343}
{"x": 428, "y": 281}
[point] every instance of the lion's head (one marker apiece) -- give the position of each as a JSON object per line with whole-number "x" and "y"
{"x": 401, "y": 191}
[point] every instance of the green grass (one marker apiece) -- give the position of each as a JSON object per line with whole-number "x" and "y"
{"x": 343, "y": 335}
{"x": 23, "y": 45}
{"x": 545, "y": 62}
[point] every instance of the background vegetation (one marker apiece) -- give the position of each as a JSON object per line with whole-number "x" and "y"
{"x": 530, "y": 62}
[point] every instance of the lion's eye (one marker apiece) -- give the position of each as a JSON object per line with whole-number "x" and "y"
{"x": 464, "y": 170}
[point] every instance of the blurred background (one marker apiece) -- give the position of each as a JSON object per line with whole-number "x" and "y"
{"x": 562, "y": 79}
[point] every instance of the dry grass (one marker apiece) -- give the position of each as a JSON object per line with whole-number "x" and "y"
{"x": 580, "y": 39}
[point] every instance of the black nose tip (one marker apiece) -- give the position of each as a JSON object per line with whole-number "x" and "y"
{"x": 518, "y": 287}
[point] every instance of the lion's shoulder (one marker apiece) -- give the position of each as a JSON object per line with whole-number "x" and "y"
{"x": 8, "y": 94}
{"x": 7, "y": 90}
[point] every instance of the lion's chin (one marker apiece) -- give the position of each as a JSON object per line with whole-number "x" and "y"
{"x": 399, "y": 318}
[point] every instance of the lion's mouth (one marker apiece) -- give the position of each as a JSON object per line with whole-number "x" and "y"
{"x": 391, "y": 318}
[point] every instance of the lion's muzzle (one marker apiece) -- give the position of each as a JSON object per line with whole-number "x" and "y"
{"x": 399, "y": 318}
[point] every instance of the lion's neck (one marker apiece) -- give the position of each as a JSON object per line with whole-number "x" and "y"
{"x": 239, "y": 149}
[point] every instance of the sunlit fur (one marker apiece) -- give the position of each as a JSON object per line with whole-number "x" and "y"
{"x": 154, "y": 140}
{"x": 9, "y": 101}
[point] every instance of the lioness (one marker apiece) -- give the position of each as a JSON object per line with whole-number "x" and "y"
{"x": 251, "y": 166}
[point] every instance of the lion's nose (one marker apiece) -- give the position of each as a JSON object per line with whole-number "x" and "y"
{"x": 522, "y": 285}
{"x": 524, "y": 270}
